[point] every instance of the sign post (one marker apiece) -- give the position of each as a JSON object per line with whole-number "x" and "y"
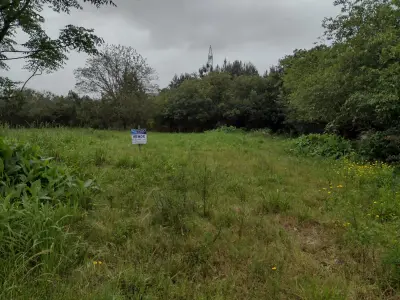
{"x": 139, "y": 137}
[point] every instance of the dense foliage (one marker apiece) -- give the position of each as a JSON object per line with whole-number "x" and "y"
{"x": 122, "y": 94}
{"x": 325, "y": 145}
{"x": 352, "y": 86}
{"x": 39, "y": 51}
{"x": 38, "y": 202}
{"x": 221, "y": 98}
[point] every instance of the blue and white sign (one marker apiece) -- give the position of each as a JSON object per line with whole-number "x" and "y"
{"x": 139, "y": 136}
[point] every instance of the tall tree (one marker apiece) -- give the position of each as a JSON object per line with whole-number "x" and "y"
{"x": 352, "y": 85}
{"x": 40, "y": 52}
{"x": 114, "y": 70}
{"x": 238, "y": 68}
{"x": 315, "y": 89}
{"x": 121, "y": 76}
{"x": 369, "y": 34}
{"x": 178, "y": 80}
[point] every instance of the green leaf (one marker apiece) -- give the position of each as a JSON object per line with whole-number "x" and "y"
{"x": 88, "y": 183}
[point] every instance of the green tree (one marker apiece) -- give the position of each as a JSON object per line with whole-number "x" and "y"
{"x": 178, "y": 80}
{"x": 256, "y": 103}
{"x": 40, "y": 52}
{"x": 238, "y": 68}
{"x": 219, "y": 90}
{"x": 222, "y": 99}
{"x": 314, "y": 84}
{"x": 189, "y": 107}
{"x": 352, "y": 85}
{"x": 122, "y": 78}
{"x": 368, "y": 33}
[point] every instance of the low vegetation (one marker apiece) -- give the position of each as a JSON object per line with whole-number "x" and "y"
{"x": 38, "y": 203}
{"x": 223, "y": 215}
{"x": 323, "y": 145}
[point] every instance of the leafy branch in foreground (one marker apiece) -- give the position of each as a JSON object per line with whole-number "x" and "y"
{"x": 40, "y": 52}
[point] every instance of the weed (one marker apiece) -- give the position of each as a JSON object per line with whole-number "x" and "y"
{"x": 391, "y": 263}
{"x": 127, "y": 162}
{"x": 324, "y": 145}
{"x": 100, "y": 157}
{"x": 274, "y": 203}
{"x": 204, "y": 190}
{"x": 171, "y": 211}
{"x": 38, "y": 202}
{"x": 198, "y": 216}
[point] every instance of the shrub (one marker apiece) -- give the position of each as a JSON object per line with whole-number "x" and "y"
{"x": 172, "y": 211}
{"x": 274, "y": 203}
{"x": 325, "y": 145}
{"x": 38, "y": 202}
{"x": 100, "y": 157}
{"x": 228, "y": 129}
{"x": 381, "y": 145}
{"x": 24, "y": 175}
{"x": 266, "y": 132}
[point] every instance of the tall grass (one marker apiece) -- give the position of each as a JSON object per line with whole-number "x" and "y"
{"x": 38, "y": 202}
{"x": 220, "y": 215}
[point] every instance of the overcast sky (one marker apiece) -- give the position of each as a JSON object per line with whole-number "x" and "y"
{"x": 174, "y": 35}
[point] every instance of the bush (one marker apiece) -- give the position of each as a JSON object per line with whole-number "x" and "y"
{"x": 38, "y": 202}
{"x": 228, "y": 129}
{"x": 381, "y": 145}
{"x": 24, "y": 175}
{"x": 325, "y": 145}
{"x": 266, "y": 132}
{"x": 274, "y": 204}
{"x": 172, "y": 211}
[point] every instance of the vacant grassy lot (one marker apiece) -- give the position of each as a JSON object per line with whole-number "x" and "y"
{"x": 221, "y": 216}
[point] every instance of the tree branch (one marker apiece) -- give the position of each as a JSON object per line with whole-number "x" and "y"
{"x": 8, "y": 22}
{"x": 33, "y": 75}
{"x": 20, "y": 51}
{"x": 19, "y": 57}
{"x": 6, "y": 5}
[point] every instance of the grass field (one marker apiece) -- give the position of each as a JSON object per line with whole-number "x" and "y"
{"x": 221, "y": 216}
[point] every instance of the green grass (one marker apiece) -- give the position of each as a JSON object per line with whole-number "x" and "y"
{"x": 222, "y": 216}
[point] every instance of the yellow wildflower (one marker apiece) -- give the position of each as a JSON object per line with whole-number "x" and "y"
{"x": 273, "y": 268}
{"x": 340, "y": 186}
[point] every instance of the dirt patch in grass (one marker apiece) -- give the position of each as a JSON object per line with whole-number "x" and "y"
{"x": 317, "y": 240}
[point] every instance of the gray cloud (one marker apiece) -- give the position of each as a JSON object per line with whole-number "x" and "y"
{"x": 175, "y": 35}
{"x": 226, "y": 23}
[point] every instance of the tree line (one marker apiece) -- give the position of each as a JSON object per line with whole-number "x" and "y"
{"x": 120, "y": 92}
{"x": 347, "y": 84}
